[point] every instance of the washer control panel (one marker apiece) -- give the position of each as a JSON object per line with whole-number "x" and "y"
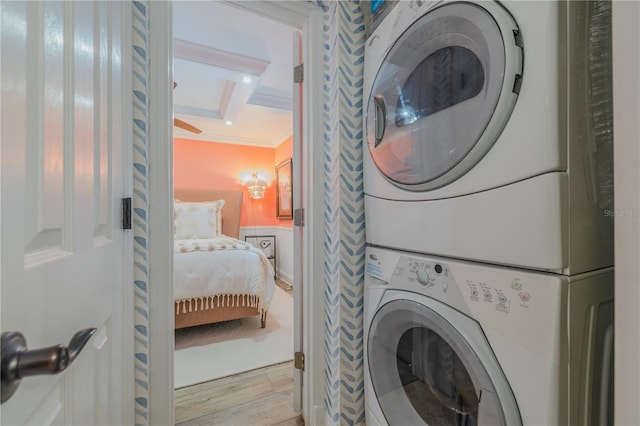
{"x": 525, "y": 307}
{"x": 425, "y": 273}
{"x": 429, "y": 277}
{"x": 435, "y": 278}
{"x": 467, "y": 286}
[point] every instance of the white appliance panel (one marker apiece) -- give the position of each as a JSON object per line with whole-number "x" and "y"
{"x": 537, "y": 198}
{"x": 534, "y": 322}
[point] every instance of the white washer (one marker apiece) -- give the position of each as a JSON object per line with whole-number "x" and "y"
{"x": 460, "y": 343}
{"x": 488, "y": 133}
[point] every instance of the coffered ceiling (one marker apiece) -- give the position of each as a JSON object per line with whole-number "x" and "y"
{"x": 234, "y": 73}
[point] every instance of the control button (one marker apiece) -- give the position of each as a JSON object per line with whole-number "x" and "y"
{"x": 438, "y": 268}
{"x": 516, "y": 285}
{"x": 502, "y": 299}
{"x": 422, "y": 277}
{"x": 524, "y": 296}
{"x": 487, "y": 295}
{"x": 474, "y": 293}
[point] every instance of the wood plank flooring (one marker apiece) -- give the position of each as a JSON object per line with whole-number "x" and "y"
{"x": 262, "y": 397}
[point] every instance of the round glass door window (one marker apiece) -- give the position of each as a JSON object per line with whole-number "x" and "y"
{"x": 424, "y": 372}
{"x": 436, "y": 93}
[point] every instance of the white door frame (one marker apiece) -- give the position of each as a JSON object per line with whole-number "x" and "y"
{"x": 160, "y": 244}
{"x": 313, "y": 307}
{"x": 160, "y": 220}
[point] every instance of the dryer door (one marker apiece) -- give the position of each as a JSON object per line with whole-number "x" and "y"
{"x": 427, "y": 370}
{"x": 443, "y": 94}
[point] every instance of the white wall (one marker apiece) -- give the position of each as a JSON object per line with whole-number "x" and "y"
{"x": 284, "y": 247}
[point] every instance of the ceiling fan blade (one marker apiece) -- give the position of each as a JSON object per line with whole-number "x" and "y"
{"x": 183, "y": 124}
{"x": 186, "y": 126}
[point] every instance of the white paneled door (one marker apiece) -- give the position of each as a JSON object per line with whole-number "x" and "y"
{"x": 64, "y": 139}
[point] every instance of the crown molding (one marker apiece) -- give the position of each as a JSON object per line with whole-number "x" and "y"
{"x": 221, "y": 138}
{"x": 197, "y": 112}
{"x": 217, "y": 114}
{"x": 219, "y": 58}
{"x": 271, "y": 98}
{"x": 292, "y": 13}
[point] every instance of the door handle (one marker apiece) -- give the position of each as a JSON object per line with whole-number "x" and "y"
{"x": 380, "y": 122}
{"x": 17, "y": 362}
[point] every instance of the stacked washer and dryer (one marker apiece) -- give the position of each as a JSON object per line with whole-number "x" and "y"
{"x": 488, "y": 174}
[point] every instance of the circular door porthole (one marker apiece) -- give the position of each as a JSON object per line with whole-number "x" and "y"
{"x": 443, "y": 94}
{"x": 423, "y": 371}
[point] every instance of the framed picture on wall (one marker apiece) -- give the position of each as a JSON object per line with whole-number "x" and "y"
{"x": 266, "y": 243}
{"x": 284, "y": 194}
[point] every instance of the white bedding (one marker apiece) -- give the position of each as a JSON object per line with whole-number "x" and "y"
{"x": 222, "y": 265}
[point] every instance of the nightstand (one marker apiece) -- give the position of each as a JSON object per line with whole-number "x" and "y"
{"x": 266, "y": 243}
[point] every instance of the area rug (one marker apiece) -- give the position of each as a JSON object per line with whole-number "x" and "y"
{"x": 212, "y": 351}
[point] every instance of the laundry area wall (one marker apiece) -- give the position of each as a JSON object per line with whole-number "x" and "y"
{"x": 344, "y": 211}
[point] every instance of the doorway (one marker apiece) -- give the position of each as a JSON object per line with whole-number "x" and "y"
{"x": 160, "y": 155}
{"x": 233, "y": 122}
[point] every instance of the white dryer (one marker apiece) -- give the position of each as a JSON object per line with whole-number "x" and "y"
{"x": 488, "y": 132}
{"x": 459, "y": 343}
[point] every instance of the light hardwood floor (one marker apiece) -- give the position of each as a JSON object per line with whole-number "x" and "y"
{"x": 259, "y": 397}
{"x": 262, "y": 397}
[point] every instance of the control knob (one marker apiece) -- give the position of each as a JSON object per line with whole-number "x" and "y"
{"x": 423, "y": 277}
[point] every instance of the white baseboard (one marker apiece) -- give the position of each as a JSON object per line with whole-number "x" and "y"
{"x": 320, "y": 417}
{"x": 286, "y": 277}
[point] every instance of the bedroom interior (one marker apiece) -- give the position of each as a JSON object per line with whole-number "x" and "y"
{"x": 232, "y": 129}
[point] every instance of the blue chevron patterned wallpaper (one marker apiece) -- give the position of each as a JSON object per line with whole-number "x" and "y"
{"x": 343, "y": 44}
{"x": 352, "y": 230}
{"x": 331, "y": 212}
{"x": 140, "y": 209}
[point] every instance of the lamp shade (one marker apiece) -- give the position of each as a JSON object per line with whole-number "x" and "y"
{"x": 256, "y": 186}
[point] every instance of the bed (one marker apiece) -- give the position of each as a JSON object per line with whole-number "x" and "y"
{"x": 218, "y": 278}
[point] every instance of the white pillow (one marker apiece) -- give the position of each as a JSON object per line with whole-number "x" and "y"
{"x": 218, "y": 214}
{"x": 197, "y": 219}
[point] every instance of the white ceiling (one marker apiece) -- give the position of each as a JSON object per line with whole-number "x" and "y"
{"x": 216, "y": 44}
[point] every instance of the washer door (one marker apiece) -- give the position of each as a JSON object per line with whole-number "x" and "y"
{"x": 424, "y": 371}
{"x": 443, "y": 94}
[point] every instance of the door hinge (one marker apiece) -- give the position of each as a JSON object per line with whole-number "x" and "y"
{"x": 298, "y": 73}
{"x": 126, "y": 213}
{"x": 298, "y": 360}
{"x": 298, "y": 217}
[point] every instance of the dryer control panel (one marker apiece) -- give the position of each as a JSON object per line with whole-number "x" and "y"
{"x": 374, "y": 12}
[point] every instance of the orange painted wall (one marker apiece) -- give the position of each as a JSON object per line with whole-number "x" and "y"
{"x": 199, "y": 164}
{"x": 284, "y": 151}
